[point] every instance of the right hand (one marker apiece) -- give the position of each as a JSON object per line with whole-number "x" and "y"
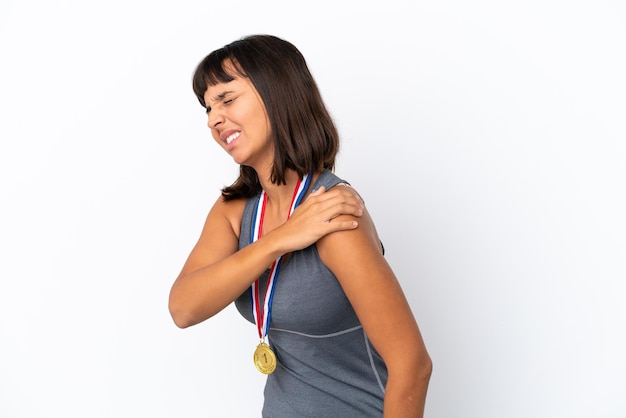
{"x": 313, "y": 218}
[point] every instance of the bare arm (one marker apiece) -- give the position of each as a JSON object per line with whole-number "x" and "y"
{"x": 216, "y": 272}
{"x": 356, "y": 259}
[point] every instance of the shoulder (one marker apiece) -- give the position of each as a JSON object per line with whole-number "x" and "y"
{"x": 353, "y": 243}
{"x": 362, "y": 241}
{"x": 328, "y": 179}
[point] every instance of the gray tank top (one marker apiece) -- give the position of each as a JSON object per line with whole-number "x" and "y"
{"x": 326, "y": 364}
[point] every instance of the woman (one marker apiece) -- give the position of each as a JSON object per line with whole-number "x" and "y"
{"x": 293, "y": 246}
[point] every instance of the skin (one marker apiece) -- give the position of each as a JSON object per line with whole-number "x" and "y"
{"x": 216, "y": 272}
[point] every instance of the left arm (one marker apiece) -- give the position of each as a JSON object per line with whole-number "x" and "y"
{"x": 355, "y": 257}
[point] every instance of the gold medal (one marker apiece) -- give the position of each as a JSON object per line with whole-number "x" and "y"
{"x": 264, "y": 358}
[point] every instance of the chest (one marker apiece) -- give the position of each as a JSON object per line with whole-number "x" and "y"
{"x": 307, "y": 298}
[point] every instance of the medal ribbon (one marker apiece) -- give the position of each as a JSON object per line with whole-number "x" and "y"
{"x": 262, "y": 317}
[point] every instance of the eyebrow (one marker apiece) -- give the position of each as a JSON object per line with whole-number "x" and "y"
{"x": 220, "y": 96}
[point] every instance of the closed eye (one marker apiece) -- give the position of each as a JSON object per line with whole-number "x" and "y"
{"x": 225, "y": 102}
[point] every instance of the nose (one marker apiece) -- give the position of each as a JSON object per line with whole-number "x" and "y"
{"x": 215, "y": 118}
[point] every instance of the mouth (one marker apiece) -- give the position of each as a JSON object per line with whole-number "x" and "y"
{"x": 230, "y": 138}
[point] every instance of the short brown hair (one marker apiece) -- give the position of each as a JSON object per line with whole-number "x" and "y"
{"x": 304, "y": 134}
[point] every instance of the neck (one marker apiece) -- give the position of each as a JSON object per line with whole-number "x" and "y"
{"x": 279, "y": 196}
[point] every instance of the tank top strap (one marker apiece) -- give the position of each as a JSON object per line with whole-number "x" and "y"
{"x": 327, "y": 179}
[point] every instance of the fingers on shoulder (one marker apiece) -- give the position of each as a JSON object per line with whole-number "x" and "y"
{"x": 357, "y": 239}
{"x": 349, "y": 189}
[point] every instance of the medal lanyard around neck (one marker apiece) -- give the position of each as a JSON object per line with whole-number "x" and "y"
{"x": 262, "y": 317}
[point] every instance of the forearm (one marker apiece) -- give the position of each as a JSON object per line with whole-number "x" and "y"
{"x": 405, "y": 397}
{"x": 198, "y": 295}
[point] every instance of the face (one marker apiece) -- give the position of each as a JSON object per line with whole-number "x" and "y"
{"x": 239, "y": 123}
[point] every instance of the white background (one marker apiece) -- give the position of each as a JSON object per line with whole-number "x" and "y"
{"x": 487, "y": 137}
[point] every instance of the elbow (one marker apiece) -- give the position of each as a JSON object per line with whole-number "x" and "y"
{"x": 416, "y": 372}
{"x": 185, "y": 314}
{"x": 187, "y": 310}
{"x": 181, "y": 316}
{"x": 180, "y": 320}
{"x": 407, "y": 384}
{"x": 425, "y": 368}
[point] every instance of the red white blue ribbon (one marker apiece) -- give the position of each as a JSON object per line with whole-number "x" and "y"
{"x": 263, "y": 316}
